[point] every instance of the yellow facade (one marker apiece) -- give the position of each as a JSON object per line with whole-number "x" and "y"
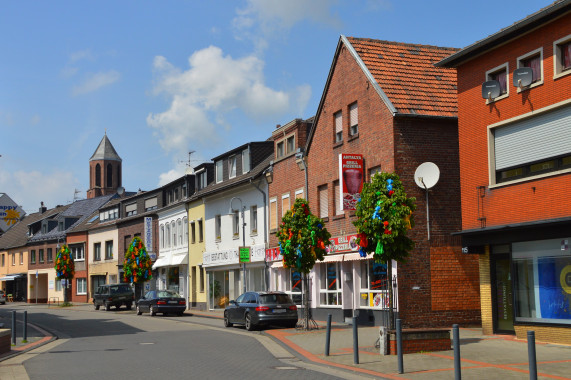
{"x": 196, "y": 248}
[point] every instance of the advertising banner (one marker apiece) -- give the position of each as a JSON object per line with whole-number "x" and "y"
{"x": 350, "y": 180}
{"x": 149, "y": 234}
{"x": 273, "y": 254}
{"x": 10, "y": 212}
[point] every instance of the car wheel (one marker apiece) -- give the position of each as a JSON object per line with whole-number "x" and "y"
{"x": 118, "y": 306}
{"x": 139, "y": 312}
{"x": 95, "y": 306}
{"x": 107, "y": 306}
{"x": 152, "y": 311}
{"x": 227, "y": 322}
{"x": 249, "y": 324}
{"x": 129, "y": 306}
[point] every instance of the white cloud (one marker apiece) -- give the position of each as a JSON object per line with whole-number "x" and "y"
{"x": 28, "y": 189}
{"x": 202, "y": 96}
{"x": 96, "y": 81}
{"x": 80, "y": 55}
{"x": 170, "y": 176}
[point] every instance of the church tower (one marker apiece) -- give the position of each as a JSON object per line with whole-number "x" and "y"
{"x": 104, "y": 170}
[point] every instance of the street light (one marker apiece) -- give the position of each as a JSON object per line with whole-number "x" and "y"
{"x": 301, "y": 162}
{"x": 231, "y": 212}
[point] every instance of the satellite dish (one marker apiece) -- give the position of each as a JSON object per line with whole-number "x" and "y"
{"x": 491, "y": 89}
{"x": 426, "y": 175}
{"x": 120, "y": 190}
{"x": 523, "y": 77}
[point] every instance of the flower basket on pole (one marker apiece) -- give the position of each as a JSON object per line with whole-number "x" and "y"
{"x": 65, "y": 268}
{"x": 137, "y": 264}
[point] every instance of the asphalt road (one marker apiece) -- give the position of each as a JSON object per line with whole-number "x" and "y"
{"x": 121, "y": 345}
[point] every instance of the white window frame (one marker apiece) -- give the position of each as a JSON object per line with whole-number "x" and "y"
{"x": 81, "y": 285}
{"x": 236, "y": 224}
{"x": 382, "y": 292}
{"x": 325, "y": 290}
{"x": 338, "y": 125}
{"x": 246, "y": 160}
{"x": 218, "y": 227}
{"x": 232, "y": 166}
{"x": 77, "y": 252}
{"x": 523, "y": 58}
{"x": 131, "y": 209}
{"x": 323, "y": 208}
{"x": 506, "y": 67}
{"x": 219, "y": 171}
{"x": 180, "y": 232}
{"x": 337, "y": 198}
{"x": 353, "y": 119}
{"x": 185, "y": 231}
{"x": 299, "y": 192}
{"x": 162, "y": 236}
{"x": 557, "y": 70}
{"x": 253, "y": 220}
{"x": 174, "y": 234}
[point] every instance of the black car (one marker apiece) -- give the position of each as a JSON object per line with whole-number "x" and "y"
{"x": 113, "y": 295}
{"x": 253, "y": 309}
{"x": 161, "y": 301}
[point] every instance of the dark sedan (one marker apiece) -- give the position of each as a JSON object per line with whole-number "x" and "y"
{"x": 253, "y": 309}
{"x": 161, "y": 301}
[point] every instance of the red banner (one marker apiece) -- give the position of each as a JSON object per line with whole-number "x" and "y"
{"x": 350, "y": 180}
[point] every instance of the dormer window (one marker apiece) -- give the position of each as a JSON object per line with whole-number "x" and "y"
{"x": 60, "y": 226}
{"x": 219, "y": 171}
{"x": 245, "y": 160}
{"x": 232, "y": 167}
{"x": 280, "y": 149}
{"x": 290, "y": 144}
{"x": 202, "y": 180}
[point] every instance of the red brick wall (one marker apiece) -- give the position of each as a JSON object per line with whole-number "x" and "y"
{"x": 401, "y": 144}
{"x": 517, "y": 202}
{"x": 81, "y": 269}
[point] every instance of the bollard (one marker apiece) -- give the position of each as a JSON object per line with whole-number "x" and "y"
{"x": 399, "y": 346}
{"x": 13, "y": 327}
{"x": 456, "y": 343}
{"x": 328, "y": 335}
{"x": 531, "y": 355}
{"x": 25, "y": 328}
{"x": 355, "y": 342}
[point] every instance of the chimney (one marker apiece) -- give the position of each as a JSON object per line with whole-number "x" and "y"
{"x": 43, "y": 208}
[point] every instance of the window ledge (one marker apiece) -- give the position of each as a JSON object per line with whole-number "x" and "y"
{"x": 498, "y": 98}
{"x": 353, "y": 137}
{"x": 337, "y": 217}
{"x": 533, "y": 85}
{"x": 530, "y": 178}
{"x": 337, "y": 144}
{"x": 326, "y": 219}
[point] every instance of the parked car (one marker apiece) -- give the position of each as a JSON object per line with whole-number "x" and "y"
{"x": 113, "y": 295}
{"x": 253, "y": 309}
{"x": 2, "y": 297}
{"x": 161, "y": 301}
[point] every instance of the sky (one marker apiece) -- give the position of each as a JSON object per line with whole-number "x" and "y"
{"x": 165, "y": 78}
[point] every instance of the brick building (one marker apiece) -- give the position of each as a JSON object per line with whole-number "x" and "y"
{"x": 515, "y": 161}
{"x": 387, "y": 102}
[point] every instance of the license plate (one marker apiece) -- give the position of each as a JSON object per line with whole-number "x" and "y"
{"x": 173, "y": 301}
{"x": 279, "y": 310}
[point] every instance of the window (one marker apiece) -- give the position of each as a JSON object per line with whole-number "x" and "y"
{"x": 168, "y": 235}
{"x": 192, "y": 232}
{"x": 81, "y": 284}
{"x": 373, "y": 171}
{"x": 533, "y": 60}
{"x": 285, "y": 204}
{"x": 40, "y": 257}
{"x": 162, "y": 236}
{"x": 185, "y": 229}
{"x": 299, "y": 193}
{"x": 219, "y": 171}
{"x": 14, "y": 257}
{"x": 151, "y": 204}
{"x": 218, "y": 227}
{"x": 374, "y": 289}
{"x": 337, "y": 200}
{"x": 131, "y": 209}
{"x": 280, "y": 149}
{"x": 500, "y": 74}
{"x": 58, "y": 285}
{"x": 562, "y": 57}
{"x": 200, "y": 231}
{"x": 273, "y": 214}
{"x": 294, "y": 286}
{"x": 33, "y": 256}
{"x": 531, "y": 145}
{"x": 98, "y": 175}
{"x": 245, "y": 160}
{"x": 232, "y": 167}
{"x": 175, "y": 194}
{"x": 109, "y": 175}
{"x": 236, "y": 224}
{"x": 353, "y": 119}
{"x": 109, "y": 250}
{"x": 3, "y": 260}
{"x": 290, "y": 142}
{"x": 77, "y": 252}
{"x": 50, "y": 257}
{"x": 323, "y": 201}
{"x": 201, "y": 277}
{"x": 253, "y": 220}
{"x": 329, "y": 285}
{"x": 202, "y": 180}
{"x": 110, "y": 214}
{"x": 180, "y": 233}
{"x": 97, "y": 252}
{"x": 173, "y": 231}
{"x": 338, "y": 116}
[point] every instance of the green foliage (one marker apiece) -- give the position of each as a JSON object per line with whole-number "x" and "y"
{"x": 384, "y": 215}
{"x": 137, "y": 264}
{"x": 302, "y": 237}
{"x": 64, "y": 265}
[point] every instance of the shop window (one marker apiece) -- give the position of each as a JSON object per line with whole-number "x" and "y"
{"x": 294, "y": 286}
{"x": 374, "y": 286}
{"x": 330, "y": 285}
{"x": 562, "y": 57}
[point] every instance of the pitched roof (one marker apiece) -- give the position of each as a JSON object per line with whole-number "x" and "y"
{"x": 105, "y": 151}
{"x": 407, "y": 76}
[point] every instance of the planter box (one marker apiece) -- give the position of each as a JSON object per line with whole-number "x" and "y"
{"x": 5, "y": 341}
{"x": 418, "y": 340}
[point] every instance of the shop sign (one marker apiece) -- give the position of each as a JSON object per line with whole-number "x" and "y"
{"x": 257, "y": 252}
{"x": 10, "y": 212}
{"x": 229, "y": 256}
{"x": 273, "y": 254}
{"x": 244, "y": 254}
{"x": 149, "y": 233}
{"x": 347, "y": 243}
{"x": 351, "y": 180}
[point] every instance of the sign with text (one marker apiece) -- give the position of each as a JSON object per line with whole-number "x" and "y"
{"x": 149, "y": 233}
{"x": 273, "y": 254}
{"x": 10, "y": 212}
{"x": 340, "y": 244}
{"x": 244, "y": 254}
{"x": 350, "y": 180}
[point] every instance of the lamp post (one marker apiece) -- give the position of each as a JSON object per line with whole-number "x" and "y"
{"x": 301, "y": 162}
{"x": 242, "y": 208}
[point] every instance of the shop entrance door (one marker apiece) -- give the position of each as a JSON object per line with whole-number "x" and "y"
{"x": 502, "y": 294}
{"x": 218, "y": 289}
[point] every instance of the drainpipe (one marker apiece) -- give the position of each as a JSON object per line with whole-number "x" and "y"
{"x": 264, "y": 195}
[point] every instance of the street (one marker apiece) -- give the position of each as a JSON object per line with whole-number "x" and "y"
{"x": 98, "y": 344}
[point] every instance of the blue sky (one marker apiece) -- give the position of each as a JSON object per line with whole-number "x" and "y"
{"x": 163, "y": 78}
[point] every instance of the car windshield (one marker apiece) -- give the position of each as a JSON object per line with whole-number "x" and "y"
{"x": 275, "y": 298}
{"x": 120, "y": 289}
{"x": 167, "y": 294}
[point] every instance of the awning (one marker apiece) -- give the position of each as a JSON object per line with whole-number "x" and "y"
{"x": 179, "y": 259}
{"x": 162, "y": 261}
{"x": 344, "y": 257}
{"x": 11, "y": 277}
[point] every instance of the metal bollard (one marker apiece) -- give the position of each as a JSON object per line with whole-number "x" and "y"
{"x": 399, "y": 346}
{"x": 456, "y": 343}
{"x": 13, "y": 327}
{"x": 328, "y": 335}
{"x": 355, "y": 342}
{"x": 531, "y": 355}
{"x": 25, "y": 328}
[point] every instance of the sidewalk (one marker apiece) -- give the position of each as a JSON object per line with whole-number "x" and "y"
{"x": 483, "y": 356}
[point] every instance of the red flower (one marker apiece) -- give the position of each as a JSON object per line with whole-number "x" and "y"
{"x": 388, "y": 232}
{"x": 391, "y": 193}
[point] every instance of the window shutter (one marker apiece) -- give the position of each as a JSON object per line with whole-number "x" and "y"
{"x": 152, "y": 202}
{"x": 338, "y": 122}
{"x": 323, "y": 202}
{"x": 353, "y": 114}
{"x": 337, "y": 200}
{"x": 131, "y": 207}
{"x": 273, "y": 215}
{"x": 285, "y": 205}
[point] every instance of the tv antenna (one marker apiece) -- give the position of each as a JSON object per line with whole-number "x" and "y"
{"x": 426, "y": 176}
{"x": 189, "y": 169}
{"x": 75, "y": 196}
